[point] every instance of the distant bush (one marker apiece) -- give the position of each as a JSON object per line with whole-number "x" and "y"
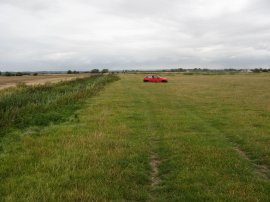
{"x": 72, "y": 72}
{"x": 8, "y": 74}
{"x": 175, "y": 70}
{"x": 35, "y": 74}
{"x": 258, "y": 70}
{"x": 94, "y": 71}
{"x": 104, "y": 71}
{"x": 18, "y": 74}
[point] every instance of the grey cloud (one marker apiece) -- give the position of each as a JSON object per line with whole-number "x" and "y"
{"x": 32, "y": 5}
{"x": 40, "y": 35}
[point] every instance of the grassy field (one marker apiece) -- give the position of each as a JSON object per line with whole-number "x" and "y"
{"x": 196, "y": 138}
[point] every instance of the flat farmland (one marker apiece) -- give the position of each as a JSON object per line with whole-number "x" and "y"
{"x": 195, "y": 138}
{"x": 10, "y": 81}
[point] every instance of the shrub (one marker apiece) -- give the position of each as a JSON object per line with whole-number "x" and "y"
{"x": 19, "y": 74}
{"x": 8, "y": 74}
{"x": 104, "y": 71}
{"x": 72, "y": 72}
{"x": 94, "y": 71}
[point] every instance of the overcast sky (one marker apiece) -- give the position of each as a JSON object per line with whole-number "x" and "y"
{"x": 128, "y": 34}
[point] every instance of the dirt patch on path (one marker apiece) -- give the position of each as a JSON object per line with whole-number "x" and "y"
{"x": 154, "y": 163}
{"x": 154, "y": 175}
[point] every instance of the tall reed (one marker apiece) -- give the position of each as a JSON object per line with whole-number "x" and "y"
{"x": 41, "y": 105}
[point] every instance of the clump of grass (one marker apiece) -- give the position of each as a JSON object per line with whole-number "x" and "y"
{"x": 41, "y": 105}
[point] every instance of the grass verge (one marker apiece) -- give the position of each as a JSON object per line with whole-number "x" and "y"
{"x": 44, "y": 104}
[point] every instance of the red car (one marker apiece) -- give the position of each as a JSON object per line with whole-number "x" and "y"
{"x": 154, "y": 78}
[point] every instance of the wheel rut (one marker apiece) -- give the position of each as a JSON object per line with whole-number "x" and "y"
{"x": 262, "y": 170}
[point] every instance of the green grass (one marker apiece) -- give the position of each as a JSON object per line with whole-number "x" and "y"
{"x": 44, "y": 104}
{"x": 211, "y": 135}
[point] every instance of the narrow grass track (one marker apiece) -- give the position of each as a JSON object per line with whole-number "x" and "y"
{"x": 136, "y": 141}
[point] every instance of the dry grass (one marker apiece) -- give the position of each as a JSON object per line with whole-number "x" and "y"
{"x": 10, "y": 81}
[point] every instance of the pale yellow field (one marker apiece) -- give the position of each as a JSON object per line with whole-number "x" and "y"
{"x": 11, "y": 81}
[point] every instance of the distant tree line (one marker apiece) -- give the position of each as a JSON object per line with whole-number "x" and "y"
{"x": 176, "y": 70}
{"x": 17, "y": 74}
{"x": 103, "y": 71}
{"x": 72, "y": 72}
{"x": 201, "y": 70}
{"x": 258, "y": 70}
{"x": 94, "y": 71}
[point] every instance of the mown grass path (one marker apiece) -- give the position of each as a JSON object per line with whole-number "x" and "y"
{"x": 150, "y": 142}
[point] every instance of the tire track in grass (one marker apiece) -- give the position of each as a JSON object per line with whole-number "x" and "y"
{"x": 223, "y": 175}
{"x": 217, "y": 135}
{"x": 143, "y": 120}
{"x": 173, "y": 175}
{"x": 260, "y": 169}
{"x": 154, "y": 137}
{"x": 154, "y": 159}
